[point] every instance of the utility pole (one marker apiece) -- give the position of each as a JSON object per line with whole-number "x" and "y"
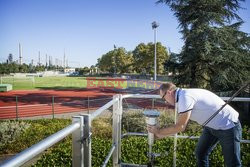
{"x": 154, "y": 26}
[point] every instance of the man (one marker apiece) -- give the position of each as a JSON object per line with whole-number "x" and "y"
{"x": 199, "y": 105}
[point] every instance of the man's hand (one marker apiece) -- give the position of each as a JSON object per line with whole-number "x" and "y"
{"x": 155, "y": 130}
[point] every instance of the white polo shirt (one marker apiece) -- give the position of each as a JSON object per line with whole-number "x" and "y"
{"x": 204, "y": 104}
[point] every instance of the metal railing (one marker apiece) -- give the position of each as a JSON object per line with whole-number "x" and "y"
{"x": 81, "y": 135}
{"x": 240, "y": 99}
{"x": 48, "y": 106}
{"x": 34, "y": 150}
{"x": 81, "y": 144}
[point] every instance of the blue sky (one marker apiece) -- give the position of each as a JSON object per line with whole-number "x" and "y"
{"x": 86, "y": 29}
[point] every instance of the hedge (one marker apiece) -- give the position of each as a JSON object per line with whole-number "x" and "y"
{"x": 134, "y": 149}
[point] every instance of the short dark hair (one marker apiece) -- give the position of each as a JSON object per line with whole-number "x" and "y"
{"x": 167, "y": 86}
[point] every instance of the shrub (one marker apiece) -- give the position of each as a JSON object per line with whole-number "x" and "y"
{"x": 102, "y": 127}
{"x": 10, "y": 130}
{"x": 60, "y": 155}
{"x": 134, "y": 149}
{"x": 38, "y": 130}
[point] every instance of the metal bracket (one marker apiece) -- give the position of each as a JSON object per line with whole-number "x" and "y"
{"x": 85, "y": 139}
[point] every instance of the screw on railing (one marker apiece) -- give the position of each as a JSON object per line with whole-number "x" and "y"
{"x": 87, "y": 140}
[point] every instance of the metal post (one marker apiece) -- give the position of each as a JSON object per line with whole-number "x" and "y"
{"x": 88, "y": 104}
{"x": 151, "y": 116}
{"x": 153, "y": 103}
{"x": 16, "y": 108}
{"x": 53, "y": 110}
{"x": 77, "y": 144}
{"x": 87, "y": 140}
{"x": 154, "y": 26}
{"x": 117, "y": 116}
{"x": 175, "y": 136}
{"x": 120, "y": 129}
{"x": 155, "y": 71}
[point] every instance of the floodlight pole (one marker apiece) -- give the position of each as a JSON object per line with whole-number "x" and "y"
{"x": 154, "y": 26}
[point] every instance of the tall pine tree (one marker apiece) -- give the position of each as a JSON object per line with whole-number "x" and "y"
{"x": 216, "y": 54}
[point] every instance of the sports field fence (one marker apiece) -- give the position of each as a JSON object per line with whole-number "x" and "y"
{"x": 17, "y": 107}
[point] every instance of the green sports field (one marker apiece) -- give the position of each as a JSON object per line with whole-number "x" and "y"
{"x": 46, "y": 83}
{"x": 60, "y": 83}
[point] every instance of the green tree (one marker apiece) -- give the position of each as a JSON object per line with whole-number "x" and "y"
{"x": 116, "y": 61}
{"x": 85, "y": 70}
{"x": 172, "y": 64}
{"x": 23, "y": 68}
{"x": 39, "y": 68}
{"x": 216, "y": 54}
{"x": 144, "y": 58}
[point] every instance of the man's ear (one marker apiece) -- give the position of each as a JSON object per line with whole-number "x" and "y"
{"x": 172, "y": 92}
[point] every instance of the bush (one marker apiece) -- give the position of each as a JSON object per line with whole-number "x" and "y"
{"x": 38, "y": 130}
{"x": 10, "y": 130}
{"x": 59, "y": 155}
{"x": 102, "y": 127}
{"x": 134, "y": 149}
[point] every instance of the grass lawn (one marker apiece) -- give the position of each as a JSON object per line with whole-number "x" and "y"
{"x": 46, "y": 83}
{"x": 58, "y": 83}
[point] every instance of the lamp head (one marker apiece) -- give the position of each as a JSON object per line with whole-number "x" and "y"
{"x": 155, "y": 25}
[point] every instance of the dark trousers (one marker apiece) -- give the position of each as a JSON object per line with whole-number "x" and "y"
{"x": 229, "y": 140}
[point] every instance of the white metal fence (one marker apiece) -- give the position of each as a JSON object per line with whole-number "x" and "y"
{"x": 81, "y": 136}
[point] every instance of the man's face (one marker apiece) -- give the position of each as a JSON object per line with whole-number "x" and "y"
{"x": 168, "y": 97}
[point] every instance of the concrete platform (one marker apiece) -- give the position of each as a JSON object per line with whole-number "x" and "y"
{"x": 5, "y": 87}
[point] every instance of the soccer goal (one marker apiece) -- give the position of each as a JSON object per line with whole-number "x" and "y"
{"x": 28, "y": 81}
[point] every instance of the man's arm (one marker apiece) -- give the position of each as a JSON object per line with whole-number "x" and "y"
{"x": 178, "y": 127}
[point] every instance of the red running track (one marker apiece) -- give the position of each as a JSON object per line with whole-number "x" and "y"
{"x": 39, "y": 102}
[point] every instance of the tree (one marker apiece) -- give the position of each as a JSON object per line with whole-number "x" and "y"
{"x": 216, "y": 54}
{"x": 171, "y": 65}
{"x": 144, "y": 58}
{"x": 85, "y": 70}
{"x": 23, "y": 68}
{"x": 116, "y": 61}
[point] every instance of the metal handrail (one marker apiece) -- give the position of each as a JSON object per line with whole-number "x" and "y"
{"x": 242, "y": 99}
{"x": 29, "y": 153}
{"x": 100, "y": 110}
{"x": 141, "y": 96}
{"x": 108, "y": 156}
{"x": 178, "y": 136}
